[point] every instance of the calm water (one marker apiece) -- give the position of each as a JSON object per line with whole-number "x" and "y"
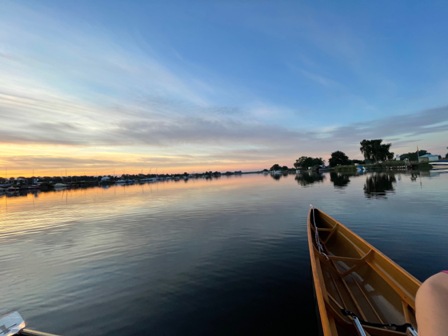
{"x": 227, "y": 256}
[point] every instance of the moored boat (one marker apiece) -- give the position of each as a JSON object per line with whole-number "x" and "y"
{"x": 359, "y": 290}
{"x": 441, "y": 164}
{"x": 59, "y": 186}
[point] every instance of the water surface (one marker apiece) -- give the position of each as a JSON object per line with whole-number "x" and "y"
{"x": 227, "y": 256}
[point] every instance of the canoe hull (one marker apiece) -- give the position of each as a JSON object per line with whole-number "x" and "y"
{"x": 353, "y": 279}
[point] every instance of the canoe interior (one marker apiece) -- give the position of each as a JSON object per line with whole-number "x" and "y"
{"x": 351, "y": 274}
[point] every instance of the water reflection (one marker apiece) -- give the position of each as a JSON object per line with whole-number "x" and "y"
{"x": 415, "y": 175}
{"x": 179, "y": 258}
{"x": 277, "y": 175}
{"x": 435, "y": 172}
{"x": 340, "y": 180}
{"x": 306, "y": 178}
{"x": 379, "y": 184}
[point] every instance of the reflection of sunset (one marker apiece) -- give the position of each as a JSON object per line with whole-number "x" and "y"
{"x": 31, "y": 213}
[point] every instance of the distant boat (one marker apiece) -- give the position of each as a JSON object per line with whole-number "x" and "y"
{"x": 439, "y": 164}
{"x": 149, "y": 179}
{"x": 60, "y": 186}
{"x": 360, "y": 169}
{"x": 12, "y": 189}
{"x": 359, "y": 290}
{"x": 124, "y": 181}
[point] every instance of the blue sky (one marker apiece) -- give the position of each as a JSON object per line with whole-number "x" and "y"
{"x": 116, "y": 86}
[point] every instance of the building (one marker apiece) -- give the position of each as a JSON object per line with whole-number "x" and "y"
{"x": 428, "y": 158}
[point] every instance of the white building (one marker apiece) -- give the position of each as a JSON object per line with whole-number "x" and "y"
{"x": 428, "y": 158}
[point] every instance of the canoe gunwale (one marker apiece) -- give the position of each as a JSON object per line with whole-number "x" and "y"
{"x": 365, "y": 258}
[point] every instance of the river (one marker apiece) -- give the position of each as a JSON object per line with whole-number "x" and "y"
{"x": 223, "y": 256}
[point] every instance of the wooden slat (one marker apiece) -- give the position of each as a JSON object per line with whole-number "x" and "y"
{"x": 368, "y": 301}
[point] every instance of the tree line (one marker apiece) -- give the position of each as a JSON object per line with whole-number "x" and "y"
{"x": 374, "y": 151}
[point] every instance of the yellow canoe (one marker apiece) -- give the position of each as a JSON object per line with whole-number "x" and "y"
{"x": 359, "y": 290}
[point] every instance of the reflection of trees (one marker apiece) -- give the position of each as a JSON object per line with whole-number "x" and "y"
{"x": 378, "y": 184}
{"x": 414, "y": 176}
{"x": 339, "y": 180}
{"x": 276, "y": 176}
{"x": 305, "y": 178}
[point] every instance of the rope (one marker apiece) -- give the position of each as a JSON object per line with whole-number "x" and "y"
{"x": 320, "y": 248}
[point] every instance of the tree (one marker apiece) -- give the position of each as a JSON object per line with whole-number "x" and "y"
{"x": 305, "y": 162}
{"x": 299, "y": 162}
{"x": 339, "y": 158}
{"x": 275, "y": 167}
{"x": 374, "y": 150}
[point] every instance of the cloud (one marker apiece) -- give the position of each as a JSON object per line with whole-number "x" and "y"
{"x": 403, "y": 131}
{"x": 412, "y": 124}
{"x": 193, "y": 142}
{"x": 50, "y": 119}
{"x": 320, "y": 79}
{"x": 42, "y": 51}
{"x": 47, "y": 162}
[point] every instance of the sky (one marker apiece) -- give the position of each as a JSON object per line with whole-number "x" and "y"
{"x": 127, "y": 87}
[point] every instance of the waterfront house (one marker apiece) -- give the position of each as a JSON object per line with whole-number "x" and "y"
{"x": 428, "y": 158}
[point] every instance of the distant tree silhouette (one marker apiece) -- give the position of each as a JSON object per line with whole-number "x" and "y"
{"x": 305, "y": 162}
{"x": 338, "y": 158}
{"x": 374, "y": 150}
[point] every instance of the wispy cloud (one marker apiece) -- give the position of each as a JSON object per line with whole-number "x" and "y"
{"x": 320, "y": 79}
